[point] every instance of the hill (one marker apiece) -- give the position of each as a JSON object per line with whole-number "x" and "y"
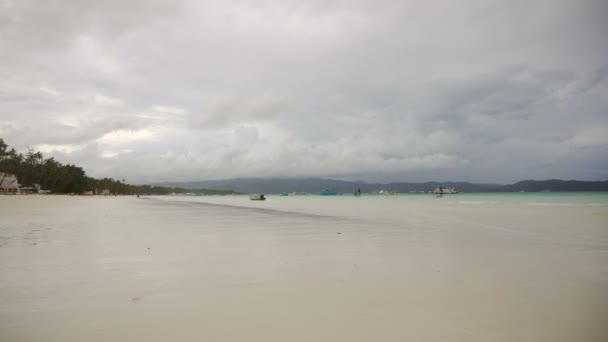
{"x": 315, "y": 185}
{"x": 556, "y": 185}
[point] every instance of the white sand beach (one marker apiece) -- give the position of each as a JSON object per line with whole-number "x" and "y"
{"x": 304, "y": 268}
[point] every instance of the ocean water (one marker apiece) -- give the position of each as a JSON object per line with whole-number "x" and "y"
{"x": 466, "y": 267}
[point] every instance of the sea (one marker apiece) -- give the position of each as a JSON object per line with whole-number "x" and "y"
{"x": 464, "y": 267}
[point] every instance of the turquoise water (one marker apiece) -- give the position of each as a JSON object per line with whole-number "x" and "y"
{"x": 530, "y": 198}
{"x": 600, "y": 198}
{"x": 412, "y": 205}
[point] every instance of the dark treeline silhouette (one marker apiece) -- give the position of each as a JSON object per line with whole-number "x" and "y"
{"x": 32, "y": 169}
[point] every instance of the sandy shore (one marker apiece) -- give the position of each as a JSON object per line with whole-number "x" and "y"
{"x": 301, "y": 269}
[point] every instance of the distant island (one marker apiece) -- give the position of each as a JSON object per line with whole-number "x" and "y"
{"x": 315, "y": 185}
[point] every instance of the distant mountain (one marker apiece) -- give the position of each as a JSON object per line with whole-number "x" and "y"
{"x": 556, "y": 185}
{"x": 276, "y": 185}
{"x": 315, "y": 185}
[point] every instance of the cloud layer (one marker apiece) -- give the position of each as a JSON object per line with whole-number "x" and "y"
{"x": 484, "y": 91}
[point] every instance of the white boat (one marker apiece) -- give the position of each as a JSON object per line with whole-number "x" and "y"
{"x": 257, "y": 197}
{"x": 445, "y": 191}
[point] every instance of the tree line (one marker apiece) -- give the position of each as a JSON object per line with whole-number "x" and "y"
{"x": 32, "y": 169}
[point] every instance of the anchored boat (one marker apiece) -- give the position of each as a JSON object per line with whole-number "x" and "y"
{"x": 257, "y": 197}
{"x": 445, "y": 191}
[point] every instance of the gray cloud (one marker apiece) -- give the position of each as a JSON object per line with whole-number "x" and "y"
{"x": 487, "y": 91}
{"x": 229, "y": 111}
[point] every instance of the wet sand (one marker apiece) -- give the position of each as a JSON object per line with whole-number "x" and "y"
{"x": 301, "y": 269}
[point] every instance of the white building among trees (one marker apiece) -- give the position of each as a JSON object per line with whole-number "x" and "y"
{"x": 8, "y": 182}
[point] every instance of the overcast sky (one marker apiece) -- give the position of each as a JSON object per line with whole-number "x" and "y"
{"x": 481, "y": 91}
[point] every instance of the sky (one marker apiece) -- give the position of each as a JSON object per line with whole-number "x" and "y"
{"x": 149, "y": 91}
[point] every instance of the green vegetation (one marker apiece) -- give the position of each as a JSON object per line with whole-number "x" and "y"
{"x": 32, "y": 169}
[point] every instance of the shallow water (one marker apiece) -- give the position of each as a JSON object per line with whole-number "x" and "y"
{"x": 487, "y": 267}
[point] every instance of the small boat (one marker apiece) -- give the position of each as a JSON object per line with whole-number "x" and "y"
{"x": 328, "y": 193}
{"x": 257, "y": 197}
{"x": 445, "y": 191}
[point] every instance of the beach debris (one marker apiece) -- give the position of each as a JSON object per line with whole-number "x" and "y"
{"x": 339, "y": 233}
{"x": 136, "y": 300}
